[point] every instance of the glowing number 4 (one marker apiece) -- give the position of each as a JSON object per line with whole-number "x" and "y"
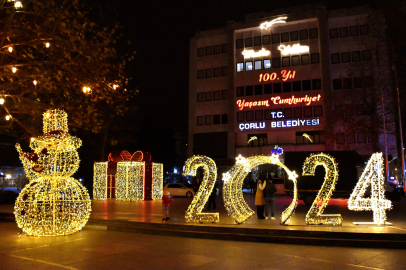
{"x": 372, "y": 175}
{"x": 194, "y": 211}
{"x": 314, "y": 216}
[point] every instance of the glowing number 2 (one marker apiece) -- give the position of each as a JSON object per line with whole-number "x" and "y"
{"x": 194, "y": 211}
{"x": 314, "y": 216}
{"x": 372, "y": 175}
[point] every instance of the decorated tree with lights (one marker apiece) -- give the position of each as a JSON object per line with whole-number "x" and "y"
{"x": 55, "y": 55}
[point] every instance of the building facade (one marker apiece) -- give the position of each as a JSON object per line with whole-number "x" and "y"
{"x": 303, "y": 78}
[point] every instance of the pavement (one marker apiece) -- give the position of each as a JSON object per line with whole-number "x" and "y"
{"x": 145, "y": 217}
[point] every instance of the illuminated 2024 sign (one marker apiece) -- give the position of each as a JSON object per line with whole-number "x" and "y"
{"x": 278, "y": 101}
{"x": 285, "y": 75}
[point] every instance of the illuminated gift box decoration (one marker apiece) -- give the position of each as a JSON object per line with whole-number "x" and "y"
{"x": 53, "y": 203}
{"x": 132, "y": 177}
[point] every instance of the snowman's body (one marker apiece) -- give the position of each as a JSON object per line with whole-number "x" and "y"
{"x": 53, "y": 203}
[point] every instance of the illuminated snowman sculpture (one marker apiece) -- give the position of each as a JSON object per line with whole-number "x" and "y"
{"x": 53, "y": 203}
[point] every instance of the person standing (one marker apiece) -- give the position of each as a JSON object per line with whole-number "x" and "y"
{"x": 259, "y": 199}
{"x": 166, "y": 202}
{"x": 269, "y": 193}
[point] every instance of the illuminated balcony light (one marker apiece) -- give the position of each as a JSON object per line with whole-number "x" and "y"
{"x": 10, "y": 49}
{"x": 14, "y": 69}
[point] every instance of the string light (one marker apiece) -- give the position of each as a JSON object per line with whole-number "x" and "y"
{"x": 53, "y": 203}
{"x": 315, "y": 215}
{"x": 47, "y": 44}
{"x": 8, "y": 117}
{"x": 14, "y": 69}
{"x": 18, "y": 4}
{"x": 10, "y": 49}
{"x": 1, "y": 101}
{"x": 234, "y": 201}
{"x": 100, "y": 181}
{"x": 372, "y": 175}
{"x": 130, "y": 180}
{"x": 115, "y": 86}
{"x": 32, "y": 139}
{"x": 157, "y": 181}
{"x": 86, "y": 90}
{"x": 34, "y": 82}
{"x": 194, "y": 211}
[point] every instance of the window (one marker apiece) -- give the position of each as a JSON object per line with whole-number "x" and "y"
{"x": 287, "y": 87}
{"x": 267, "y": 63}
{"x": 343, "y": 32}
{"x": 248, "y": 66}
{"x": 286, "y": 61}
{"x": 340, "y": 138}
{"x": 356, "y": 56}
{"x": 216, "y": 95}
{"x": 240, "y": 116}
{"x": 216, "y": 119}
{"x": 240, "y": 91}
{"x": 305, "y": 59}
{"x": 262, "y": 139}
{"x": 318, "y": 111}
{"x": 372, "y": 136}
{"x": 337, "y": 84}
{"x": 306, "y": 85}
{"x": 208, "y": 73}
{"x": 335, "y": 58}
{"x": 315, "y": 58}
{"x": 297, "y": 112}
{"x": 361, "y": 137}
{"x": 287, "y": 112}
{"x": 307, "y": 112}
{"x": 350, "y": 137}
{"x": 208, "y": 96}
{"x": 366, "y": 55}
{"x": 276, "y": 62}
{"x": 248, "y": 42}
{"x": 277, "y": 88}
{"x": 200, "y": 52}
{"x": 224, "y": 95}
{"x": 334, "y": 33}
{"x": 224, "y": 71}
{"x": 359, "y": 109}
{"x": 268, "y": 88}
{"x": 200, "y": 120}
{"x": 314, "y": 136}
{"x": 345, "y": 57}
{"x": 314, "y": 33}
{"x": 223, "y": 48}
{"x": 295, "y": 60}
{"x": 200, "y": 74}
{"x": 240, "y": 67}
{"x": 285, "y": 37}
{"x": 275, "y": 38}
{"x": 368, "y": 81}
{"x": 258, "y": 89}
{"x": 353, "y": 30}
{"x": 357, "y": 82}
{"x": 216, "y": 72}
{"x": 294, "y": 36}
{"x": 268, "y": 114}
{"x": 363, "y": 29}
{"x": 316, "y": 83}
{"x": 259, "y": 115}
{"x": 249, "y": 90}
{"x": 200, "y": 97}
{"x": 347, "y": 83}
{"x": 257, "y": 64}
{"x": 349, "y": 110}
{"x": 249, "y": 116}
{"x": 224, "y": 118}
{"x": 208, "y": 120}
{"x": 257, "y": 41}
{"x": 297, "y": 86}
{"x": 239, "y": 44}
{"x": 304, "y": 34}
{"x": 266, "y": 40}
{"x": 216, "y": 49}
{"x": 208, "y": 50}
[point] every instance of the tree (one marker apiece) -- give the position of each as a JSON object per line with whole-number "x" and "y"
{"x": 53, "y": 54}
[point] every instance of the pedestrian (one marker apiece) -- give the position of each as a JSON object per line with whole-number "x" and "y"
{"x": 269, "y": 194}
{"x": 212, "y": 198}
{"x": 259, "y": 199}
{"x": 166, "y": 202}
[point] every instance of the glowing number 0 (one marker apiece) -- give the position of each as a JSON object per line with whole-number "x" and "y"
{"x": 372, "y": 175}
{"x": 194, "y": 211}
{"x": 314, "y": 216}
{"x": 234, "y": 201}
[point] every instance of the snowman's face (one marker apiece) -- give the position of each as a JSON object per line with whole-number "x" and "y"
{"x": 57, "y": 161}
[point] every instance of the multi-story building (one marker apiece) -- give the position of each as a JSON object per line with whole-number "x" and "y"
{"x": 304, "y": 78}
